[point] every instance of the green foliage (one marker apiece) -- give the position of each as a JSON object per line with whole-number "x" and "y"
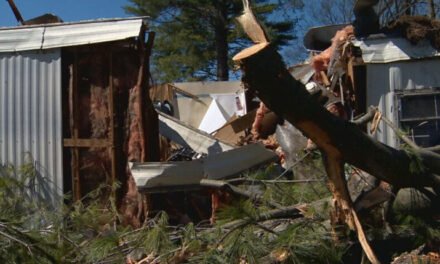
{"x": 195, "y": 37}
{"x": 24, "y": 218}
{"x": 425, "y": 231}
{"x": 88, "y": 231}
{"x": 416, "y": 166}
{"x": 245, "y": 244}
{"x": 157, "y": 240}
{"x": 310, "y": 242}
{"x": 240, "y": 209}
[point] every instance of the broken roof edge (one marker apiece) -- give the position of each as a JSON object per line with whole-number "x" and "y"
{"x": 381, "y": 48}
{"x": 58, "y": 35}
{"x": 376, "y": 48}
{"x": 87, "y": 21}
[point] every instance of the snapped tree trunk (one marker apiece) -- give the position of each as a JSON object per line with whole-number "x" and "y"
{"x": 339, "y": 141}
{"x": 266, "y": 75}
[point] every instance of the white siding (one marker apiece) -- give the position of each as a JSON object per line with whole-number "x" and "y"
{"x": 68, "y": 34}
{"x": 385, "y": 80}
{"x": 31, "y": 113}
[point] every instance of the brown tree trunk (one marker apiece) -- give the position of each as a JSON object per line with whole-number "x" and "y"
{"x": 221, "y": 41}
{"x": 339, "y": 141}
{"x": 266, "y": 75}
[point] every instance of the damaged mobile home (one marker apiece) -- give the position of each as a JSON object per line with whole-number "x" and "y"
{"x": 65, "y": 90}
{"x": 339, "y": 140}
{"x": 72, "y": 104}
{"x": 71, "y": 100}
{"x": 383, "y": 70}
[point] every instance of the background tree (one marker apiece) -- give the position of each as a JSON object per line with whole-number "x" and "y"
{"x": 391, "y": 10}
{"x": 330, "y": 12}
{"x": 195, "y": 38}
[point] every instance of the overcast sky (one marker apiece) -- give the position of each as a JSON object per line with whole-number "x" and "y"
{"x": 68, "y": 10}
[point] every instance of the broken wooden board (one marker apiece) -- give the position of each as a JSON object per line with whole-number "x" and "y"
{"x": 234, "y": 130}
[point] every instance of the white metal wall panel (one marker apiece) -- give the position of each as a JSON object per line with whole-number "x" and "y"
{"x": 380, "y": 94}
{"x": 31, "y": 113}
{"x": 68, "y": 34}
{"x": 414, "y": 74}
{"x": 384, "y": 80}
{"x": 381, "y": 49}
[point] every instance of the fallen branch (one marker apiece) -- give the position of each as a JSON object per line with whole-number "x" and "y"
{"x": 367, "y": 117}
{"x": 291, "y": 212}
{"x": 266, "y": 75}
{"x": 255, "y": 181}
{"x": 236, "y": 190}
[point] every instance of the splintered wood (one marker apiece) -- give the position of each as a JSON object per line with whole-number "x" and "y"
{"x": 265, "y": 73}
{"x": 251, "y": 25}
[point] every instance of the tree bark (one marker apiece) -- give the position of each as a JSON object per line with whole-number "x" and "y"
{"x": 266, "y": 75}
{"x": 339, "y": 141}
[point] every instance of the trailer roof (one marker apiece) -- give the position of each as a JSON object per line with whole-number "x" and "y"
{"x": 57, "y": 35}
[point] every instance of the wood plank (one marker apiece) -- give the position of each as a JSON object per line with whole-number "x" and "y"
{"x": 112, "y": 132}
{"x": 76, "y": 184}
{"x": 86, "y": 143}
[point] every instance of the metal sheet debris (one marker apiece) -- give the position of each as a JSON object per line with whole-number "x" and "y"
{"x": 229, "y": 96}
{"x": 190, "y": 137}
{"x": 380, "y": 49}
{"x": 149, "y": 176}
{"x": 58, "y": 35}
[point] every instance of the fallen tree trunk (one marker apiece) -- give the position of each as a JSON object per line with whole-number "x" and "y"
{"x": 266, "y": 75}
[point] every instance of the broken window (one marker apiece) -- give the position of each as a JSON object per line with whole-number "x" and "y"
{"x": 419, "y": 116}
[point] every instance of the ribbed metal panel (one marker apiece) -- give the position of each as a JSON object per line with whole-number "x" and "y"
{"x": 31, "y": 113}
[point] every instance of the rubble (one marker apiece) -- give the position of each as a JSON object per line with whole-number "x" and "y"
{"x": 416, "y": 29}
{"x": 209, "y": 134}
{"x": 214, "y": 166}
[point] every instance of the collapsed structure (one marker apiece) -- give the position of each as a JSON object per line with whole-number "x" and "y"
{"x": 78, "y": 109}
{"x": 337, "y": 139}
{"x": 384, "y": 70}
{"x": 67, "y": 92}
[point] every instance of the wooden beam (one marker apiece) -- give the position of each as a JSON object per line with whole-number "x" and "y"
{"x": 74, "y": 117}
{"x": 112, "y": 132}
{"x": 86, "y": 143}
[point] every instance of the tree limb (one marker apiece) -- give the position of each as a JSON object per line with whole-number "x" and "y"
{"x": 291, "y": 212}
{"x": 231, "y": 188}
{"x": 266, "y": 75}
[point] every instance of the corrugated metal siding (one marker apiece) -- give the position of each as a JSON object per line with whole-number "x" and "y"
{"x": 31, "y": 112}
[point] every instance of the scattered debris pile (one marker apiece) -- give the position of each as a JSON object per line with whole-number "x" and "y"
{"x": 416, "y": 29}
{"x": 210, "y": 135}
{"x": 338, "y": 74}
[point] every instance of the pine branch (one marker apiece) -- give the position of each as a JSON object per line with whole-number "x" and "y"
{"x": 291, "y": 212}
{"x": 231, "y": 188}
